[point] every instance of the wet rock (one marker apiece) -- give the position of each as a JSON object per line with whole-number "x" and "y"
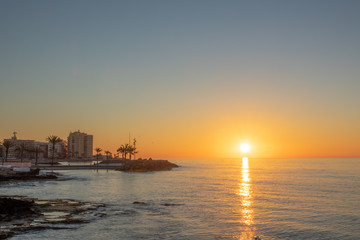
{"x": 13, "y": 209}
{"x": 6, "y": 234}
{"x": 72, "y": 220}
{"x": 100, "y": 214}
{"x": 126, "y": 212}
{"x": 171, "y": 204}
{"x": 21, "y": 214}
{"x": 9, "y": 174}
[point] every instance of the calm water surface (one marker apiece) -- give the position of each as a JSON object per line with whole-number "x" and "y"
{"x": 213, "y": 199}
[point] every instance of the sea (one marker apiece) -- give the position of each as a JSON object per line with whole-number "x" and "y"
{"x": 245, "y": 198}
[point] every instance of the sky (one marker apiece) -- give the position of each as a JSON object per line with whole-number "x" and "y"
{"x": 186, "y": 78}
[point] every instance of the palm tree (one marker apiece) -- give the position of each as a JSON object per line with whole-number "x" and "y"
{"x": 21, "y": 149}
{"x": 107, "y": 154}
{"x": 131, "y": 150}
{"x": 98, "y": 150}
{"x": 126, "y": 149}
{"x": 53, "y": 140}
{"x": 121, "y": 150}
{"x": 7, "y": 144}
{"x": 36, "y": 150}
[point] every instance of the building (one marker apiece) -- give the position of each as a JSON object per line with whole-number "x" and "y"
{"x": 60, "y": 149}
{"x": 29, "y": 146}
{"x": 44, "y": 146}
{"x": 80, "y": 145}
{"x": 13, "y": 151}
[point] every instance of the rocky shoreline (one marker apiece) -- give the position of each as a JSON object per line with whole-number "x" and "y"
{"x": 8, "y": 174}
{"x": 145, "y": 165}
{"x": 20, "y": 214}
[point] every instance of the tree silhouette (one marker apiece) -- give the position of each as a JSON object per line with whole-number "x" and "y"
{"x": 98, "y": 151}
{"x": 7, "y": 144}
{"x": 53, "y": 140}
{"x": 122, "y": 150}
{"x": 21, "y": 149}
{"x": 131, "y": 151}
{"x": 36, "y": 150}
{"x": 107, "y": 154}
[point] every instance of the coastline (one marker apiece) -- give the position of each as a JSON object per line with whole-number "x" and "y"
{"x": 19, "y": 214}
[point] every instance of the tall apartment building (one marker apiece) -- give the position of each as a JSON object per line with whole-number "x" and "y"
{"x": 80, "y": 145}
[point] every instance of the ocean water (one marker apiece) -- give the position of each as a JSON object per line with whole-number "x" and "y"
{"x": 212, "y": 199}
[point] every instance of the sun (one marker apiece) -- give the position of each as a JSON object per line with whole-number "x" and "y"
{"x": 244, "y": 147}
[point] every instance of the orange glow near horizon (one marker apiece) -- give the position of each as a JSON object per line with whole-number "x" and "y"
{"x": 176, "y": 94}
{"x": 271, "y": 138}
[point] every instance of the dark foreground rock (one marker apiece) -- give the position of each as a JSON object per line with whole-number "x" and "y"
{"x": 21, "y": 214}
{"x": 15, "y": 208}
{"x": 144, "y": 165}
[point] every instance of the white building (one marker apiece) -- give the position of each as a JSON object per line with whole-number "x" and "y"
{"x": 29, "y": 145}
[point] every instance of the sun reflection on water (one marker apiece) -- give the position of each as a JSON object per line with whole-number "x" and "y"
{"x": 247, "y": 232}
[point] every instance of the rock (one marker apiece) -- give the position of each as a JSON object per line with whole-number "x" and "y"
{"x": 20, "y": 214}
{"x": 13, "y": 209}
{"x": 6, "y": 234}
{"x": 141, "y": 203}
{"x": 8, "y": 174}
{"x": 100, "y": 214}
{"x": 171, "y": 204}
{"x": 146, "y": 165}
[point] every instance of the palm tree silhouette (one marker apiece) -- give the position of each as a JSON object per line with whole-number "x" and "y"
{"x": 131, "y": 150}
{"x": 107, "y": 154}
{"x": 7, "y": 144}
{"x": 53, "y": 140}
{"x": 21, "y": 149}
{"x": 98, "y": 150}
{"x": 122, "y": 150}
{"x": 126, "y": 150}
{"x": 36, "y": 150}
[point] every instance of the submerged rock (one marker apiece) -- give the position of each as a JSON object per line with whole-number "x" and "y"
{"x": 6, "y": 234}
{"x": 145, "y": 165}
{"x": 171, "y": 204}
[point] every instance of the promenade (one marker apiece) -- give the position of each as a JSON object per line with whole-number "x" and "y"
{"x": 76, "y": 167}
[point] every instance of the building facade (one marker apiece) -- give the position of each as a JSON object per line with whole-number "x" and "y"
{"x": 80, "y": 145}
{"x": 60, "y": 149}
{"x": 14, "y": 151}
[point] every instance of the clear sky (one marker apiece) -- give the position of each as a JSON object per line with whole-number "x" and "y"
{"x": 186, "y": 78}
